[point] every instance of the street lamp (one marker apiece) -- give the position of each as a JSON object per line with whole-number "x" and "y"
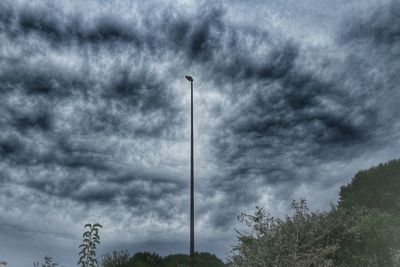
{"x": 190, "y": 79}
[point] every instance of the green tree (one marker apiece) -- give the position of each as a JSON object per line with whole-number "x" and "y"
{"x": 115, "y": 259}
{"x": 375, "y": 188}
{"x": 177, "y": 260}
{"x": 203, "y": 259}
{"x": 376, "y": 242}
{"x": 91, "y": 238}
{"x": 145, "y": 259}
{"x": 304, "y": 239}
{"x": 376, "y": 192}
{"x": 48, "y": 262}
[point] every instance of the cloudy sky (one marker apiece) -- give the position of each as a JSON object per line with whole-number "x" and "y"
{"x": 292, "y": 98}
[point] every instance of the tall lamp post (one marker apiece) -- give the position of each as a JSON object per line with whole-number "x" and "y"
{"x": 190, "y": 79}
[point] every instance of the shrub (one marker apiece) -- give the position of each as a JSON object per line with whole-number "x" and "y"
{"x": 115, "y": 259}
{"x": 91, "y": 239}
{"x": 304, "y": 239}
{"x": 48, "y": 262}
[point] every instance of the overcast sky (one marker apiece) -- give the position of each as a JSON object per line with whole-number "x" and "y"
{"x": 292, "y": 98}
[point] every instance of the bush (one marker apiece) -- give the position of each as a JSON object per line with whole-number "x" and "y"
{"x": 304, "y": 239}
{"x": 89, "y": 244}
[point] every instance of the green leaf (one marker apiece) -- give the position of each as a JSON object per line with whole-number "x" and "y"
{"x": 97, "y": 225}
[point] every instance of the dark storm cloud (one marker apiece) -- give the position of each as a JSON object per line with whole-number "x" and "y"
{"x": 380, "y": 26}
{"x": 296, "y": 118}
{"x": 64, "y": 152}
{"x": 375, "y": 45}
{"x": 170, "y": 29}
{"x": 286, "y": 105}
{"x": 233, "y": 53}
{"x": 299, "y": 107}
{"x": 43, "y": 78}
{"x": 91, "y": 113}
{"x": 48, "y": 84}
{"x": 134, "y": 189}
{"x": 205, "y": 39}
{"x": 57, "y": 26}
{"x": 298, "y": 121}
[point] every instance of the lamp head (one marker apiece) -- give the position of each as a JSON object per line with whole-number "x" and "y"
{"x": 189, "y": 78}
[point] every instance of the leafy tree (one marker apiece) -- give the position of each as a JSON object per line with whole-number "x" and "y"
{"x": 115, "y": 259}
{"x": 203, "y": 259}
{"x": 376, "y": 192}
{"x": 361, "y": 231}
{"x": 304, "y": 239}
{"x": 376, "y": 188}
{"x": 177, "y": 260}
{"x": 48, "y": 262}
{"x": 377, "y": 242}
{"x": 91, "y": 239}
{"x": 145, "y": 259}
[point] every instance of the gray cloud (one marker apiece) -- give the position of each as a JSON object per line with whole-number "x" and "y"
{"x": 377, "y": 27}
{"x": 94, "y": 114}
{"x": 290, "y": 117}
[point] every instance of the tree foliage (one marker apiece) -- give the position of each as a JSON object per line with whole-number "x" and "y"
{"x": 377, "y": 242}
{"x": 376, "y": 192}
{"x": 377, "y": 188}
{"x": 91, "y": 238}
{"x": 147, "y": 259}
{"x": 363, "y": 230}
{"x": 115, "y": 259}
{"x": 48, "y": 262}
{"x": 303, "y": 239}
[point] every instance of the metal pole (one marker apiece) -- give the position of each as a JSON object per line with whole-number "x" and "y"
{"x": 191, "y": 183}
{"x": 191, "y": 258}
